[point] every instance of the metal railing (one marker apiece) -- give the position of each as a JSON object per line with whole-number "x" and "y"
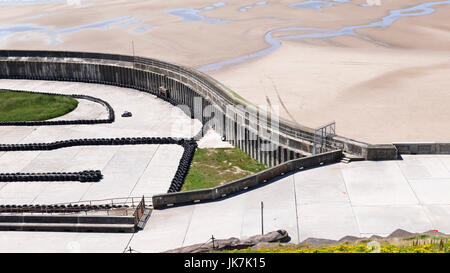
{"x": 139, "y": 212}
{"x": 112, "y": 201}
{"x": 221, "y": 92}
{"x": 199, "y": 82}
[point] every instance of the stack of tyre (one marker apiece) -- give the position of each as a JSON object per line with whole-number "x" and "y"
{"x": 183, "y": 167}
{"x": 58, "y": 208}
{"x": 84, "y": 176}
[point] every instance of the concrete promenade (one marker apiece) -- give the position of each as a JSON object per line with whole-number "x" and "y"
{"x": 359, "y": 199}
{"x": 332, "y": 201}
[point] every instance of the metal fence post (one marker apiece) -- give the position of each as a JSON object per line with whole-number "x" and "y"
{"x": 262, "y": 218}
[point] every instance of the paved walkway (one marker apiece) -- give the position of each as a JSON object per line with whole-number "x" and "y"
{"x": 332, "y": 201}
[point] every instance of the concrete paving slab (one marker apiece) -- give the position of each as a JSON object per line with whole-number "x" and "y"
{"x": 432, "y": 191}
{"x": 86, "y": 109}
{"x": 320, "y": 185}
{"x": 166, "y": 229}
{"x": 386, "y": 219}
{"x": 168, "y": 155}
{"x": 414, "y": 169}
{"x": 14, "y": 134}
{"x": 53, "y": 161}
{"x": 283, "y": 199}
{"x": 50, "y": 242}
{"x": 148, "y": 185}
{"x": 273, "y": 219}
{"x": 120, "y": 175}
{"x": 61, "y": 192}
{"x": 423, "y": 167}
{"x": 381, "y": 184}
{"x": 330, "y": 220}
{"x": 16, "y": 161}
{"x": 20, "y": 192}
{"x": 91, "y": 159}
{"x": 213, "y": 220}
{"x": 446, "y": 161}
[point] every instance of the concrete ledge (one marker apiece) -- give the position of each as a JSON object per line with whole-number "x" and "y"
{"x": 381, "y": 152}
{"x": 423, "y": 148}
{"x": 67, "y": 223}
{"x": 65, "y": 227}
{"x": 365, "y": 150}
{"x": 164, "y": 200}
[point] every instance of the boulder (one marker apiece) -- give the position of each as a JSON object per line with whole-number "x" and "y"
{"x": 234, "y": 243}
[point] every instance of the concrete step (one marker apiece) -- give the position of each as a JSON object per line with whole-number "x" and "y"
{"x": 66, "y": 219}
{"x": 144, "y": 219}
{"x": 353, "y": 157}
{"x": 345, "y": 160}
{"x": 67, "y": 223}
{"x": 66, "y": 227}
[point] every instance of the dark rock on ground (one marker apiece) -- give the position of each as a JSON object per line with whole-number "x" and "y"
{"x": 350, "y": 239}
{"x": 314, "y": 242}
{"x": 272, "y": 239}
{"x": 234, "y": 243}
{"x": 400, "y": 233}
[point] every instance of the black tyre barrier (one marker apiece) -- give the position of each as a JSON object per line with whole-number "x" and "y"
{"x": 110, "y": 119}
{"x": 189, "y": 145}
{"x": 57, "y": 208}
{"x": 83, "y": 176}
{"x": 93, "y": 142}
{"x": 49, "y": 78}
{"x": 183, "y": 167}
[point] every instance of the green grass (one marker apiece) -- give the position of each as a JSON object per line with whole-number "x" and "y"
{"x": 357, "y": 248}
{"x": 214, "y": 167}
{"x": 22, "y": 106}
{"x": 237, "y": 95}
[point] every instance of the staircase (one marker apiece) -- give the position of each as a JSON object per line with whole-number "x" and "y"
{"x": 67, "y": 223}
{"x": 347, "y": 158}
{"x": 108, "y": 215}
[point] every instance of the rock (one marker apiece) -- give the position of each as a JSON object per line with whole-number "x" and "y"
{"x": 314, "y": 242}
{"x": 234, "y": 243}
{"x": 264, "y": 245}
{"x": 435, "y": 233}
{"x": 274, "y": 236}
{"x": 376, "y": 237}
{"x": 350, "y": 239}
{"x": 400, "y": 233}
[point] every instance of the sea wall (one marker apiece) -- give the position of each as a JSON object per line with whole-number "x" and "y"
{"x": 267, "y": 138}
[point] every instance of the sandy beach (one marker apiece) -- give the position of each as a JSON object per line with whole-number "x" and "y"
{"x": 379, "y": 71}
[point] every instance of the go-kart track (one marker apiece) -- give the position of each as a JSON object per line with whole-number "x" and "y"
{"x": 124, "y": 167}
{"x": 331, "y": 201}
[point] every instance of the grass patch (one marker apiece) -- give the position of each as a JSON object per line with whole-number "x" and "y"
{"x": 214, "y": 167}
{"x": 23, "y": 106}
{"x": 237, "y": 95}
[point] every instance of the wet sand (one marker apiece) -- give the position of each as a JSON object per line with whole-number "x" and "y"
{"x": 380, "y": 84}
